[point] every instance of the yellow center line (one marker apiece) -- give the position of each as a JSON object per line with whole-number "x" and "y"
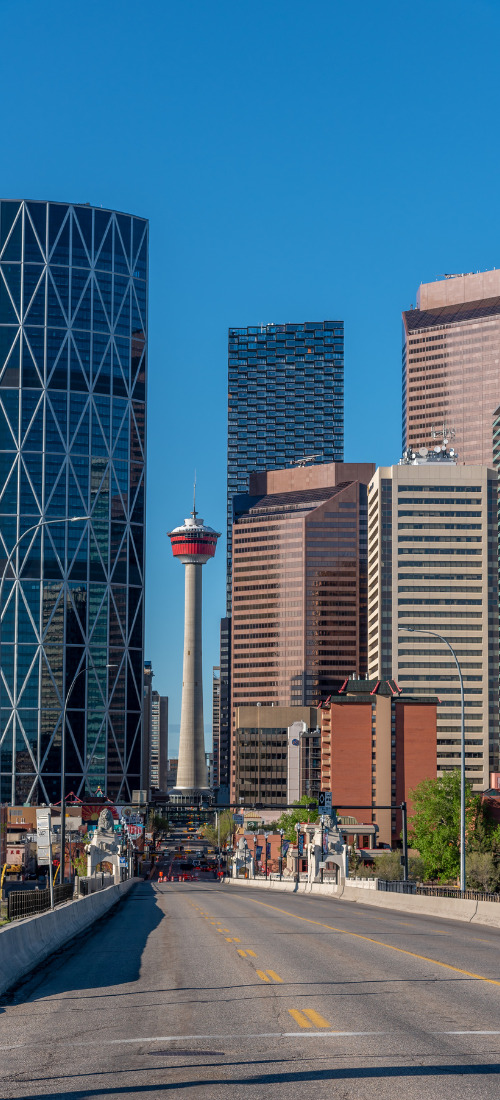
{"x": 262, "y": 975}
{"x": 316, "y": 1019}
{"x": 299, "y": 1018}
{"x": 242, "y": 953}
{"x": 252, "y": 953}
{"x": 387, "y": 946}
{"x": 274, "y": 976}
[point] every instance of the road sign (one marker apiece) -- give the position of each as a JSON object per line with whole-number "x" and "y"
{"x": 43, "y": 837}
{"x": 325, "y": 802}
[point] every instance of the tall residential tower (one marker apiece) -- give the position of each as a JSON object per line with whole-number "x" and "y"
{"x": 285, "y": 403}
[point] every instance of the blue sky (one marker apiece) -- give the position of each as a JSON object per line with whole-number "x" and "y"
{"x": 297, "y": 161}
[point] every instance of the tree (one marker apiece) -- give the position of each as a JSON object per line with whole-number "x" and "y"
{"x": 434, "y": 827}
{"x": 224, "y": 831}
{"x": 482, "y": 872}
{"x": 157, "y": 825}
{"x": 291, "y": 818}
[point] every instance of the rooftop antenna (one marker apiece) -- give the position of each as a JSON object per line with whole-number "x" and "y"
{"x": 194, "y": 512}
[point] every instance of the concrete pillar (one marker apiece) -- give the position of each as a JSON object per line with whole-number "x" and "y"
{"x": 191, "y": 771}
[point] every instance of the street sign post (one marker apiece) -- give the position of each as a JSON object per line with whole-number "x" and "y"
{"x": 325, "y": 802}
{"x": 44, "y": 844}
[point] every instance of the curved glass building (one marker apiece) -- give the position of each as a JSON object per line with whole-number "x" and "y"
{"x": 73, "y": 325}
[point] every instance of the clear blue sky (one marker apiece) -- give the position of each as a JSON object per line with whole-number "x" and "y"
{"x": 297, "y": 161}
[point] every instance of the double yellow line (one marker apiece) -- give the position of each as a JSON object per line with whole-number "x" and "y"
{"x": 308, "y": 1018}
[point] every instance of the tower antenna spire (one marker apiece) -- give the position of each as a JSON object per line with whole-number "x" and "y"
{"x": 194, "y": 512}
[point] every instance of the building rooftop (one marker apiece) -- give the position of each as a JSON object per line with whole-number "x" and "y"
{"x": 417, "y": 319}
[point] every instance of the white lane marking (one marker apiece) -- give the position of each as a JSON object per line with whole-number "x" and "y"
{"x": 228, "y": 1037}
{"x": 468, "y": 1033}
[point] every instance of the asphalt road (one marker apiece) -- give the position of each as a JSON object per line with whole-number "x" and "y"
{"x": 202, "y": 990}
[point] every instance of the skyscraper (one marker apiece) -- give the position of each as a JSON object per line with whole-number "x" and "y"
{"x": 451, "y": 364}
{"x": 433, "y": 565}
{"x": 285, "y": 402}
{"x": 73, "y": 316}
{"x": 299, "y": 625}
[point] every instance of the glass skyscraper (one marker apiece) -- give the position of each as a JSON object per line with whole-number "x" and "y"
{"x": 285, "y": 403}
{"x": 73, "y": 323}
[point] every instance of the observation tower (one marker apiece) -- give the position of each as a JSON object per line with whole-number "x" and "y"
{"x": 193, "y": 545}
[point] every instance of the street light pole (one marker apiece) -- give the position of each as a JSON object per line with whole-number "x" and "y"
{"x": 35, "y": 526}
{"x": 434, "y": 633}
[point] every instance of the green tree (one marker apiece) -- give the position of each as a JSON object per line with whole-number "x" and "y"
{"x": 291, "y": 818}
{"x": 434, "y": 827}
{"x": 224, "y": 831}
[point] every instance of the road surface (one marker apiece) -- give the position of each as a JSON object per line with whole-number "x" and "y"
{"x": 204, "y": 991}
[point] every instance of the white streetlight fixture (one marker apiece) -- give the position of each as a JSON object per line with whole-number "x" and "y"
{"x": 417, "y": 630}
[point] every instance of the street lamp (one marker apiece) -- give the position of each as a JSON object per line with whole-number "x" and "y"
{"x": 41, "y": 523}
{"x": 281, "y": 831}
{"x": 265, "y": 841}
{"x": 417, "y": 630}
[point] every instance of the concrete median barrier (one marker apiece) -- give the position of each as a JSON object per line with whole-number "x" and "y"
{"x": 25, "y": 944}
{"x": 474, "y": 912}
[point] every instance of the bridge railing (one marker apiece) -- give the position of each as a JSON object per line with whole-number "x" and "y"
{"x": 397, "y": 886}
{"x": 26, "y": 903}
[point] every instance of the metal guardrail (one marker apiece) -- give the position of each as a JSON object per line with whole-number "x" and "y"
{"x": 397, "y": 886}
{"x": 25, "y": 903}
{"x": 88, "y": 886}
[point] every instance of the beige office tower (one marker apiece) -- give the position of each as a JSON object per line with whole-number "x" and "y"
{"x": 451, "y": 365}
{"x": 433, "y": 565}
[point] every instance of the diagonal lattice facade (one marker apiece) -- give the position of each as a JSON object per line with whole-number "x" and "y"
{"x": 73, "y": 326}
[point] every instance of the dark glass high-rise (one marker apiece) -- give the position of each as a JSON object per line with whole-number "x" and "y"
{"x": 73, "y": 325}
{"x": 285, "y": 403}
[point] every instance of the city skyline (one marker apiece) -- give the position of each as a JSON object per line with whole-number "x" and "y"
{"x": 270, "y": 197}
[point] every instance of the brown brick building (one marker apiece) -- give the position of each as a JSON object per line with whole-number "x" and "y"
{"x": 376, "y": 745}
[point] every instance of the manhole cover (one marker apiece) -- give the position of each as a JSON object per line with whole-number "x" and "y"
{"x": 187, "y": 1053}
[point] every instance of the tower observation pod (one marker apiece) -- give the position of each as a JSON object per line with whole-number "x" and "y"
{"x": 193, "y": 545}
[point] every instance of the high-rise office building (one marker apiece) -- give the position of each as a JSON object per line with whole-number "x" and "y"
{"x": 285, "y": 402}
{"x": 299, "y": 624}
{"x": 215, "y": 721}
{"x": 451, "y": 365}
{"x": 158, "y": 765}
{"x": 433, "y": 566}
{"x": 73, "y": 306}
{"x": 222, "y": 763}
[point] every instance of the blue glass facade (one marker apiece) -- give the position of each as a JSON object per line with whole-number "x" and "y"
{"x": 73, "y": 325}
{"x": 285, "y": 401}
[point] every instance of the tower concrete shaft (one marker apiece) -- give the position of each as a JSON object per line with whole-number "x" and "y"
{"x": 192, "y": 770}
{"x": 193, "y": 544}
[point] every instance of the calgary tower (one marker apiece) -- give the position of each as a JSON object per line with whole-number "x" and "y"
{"x": 193, "y": 545}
